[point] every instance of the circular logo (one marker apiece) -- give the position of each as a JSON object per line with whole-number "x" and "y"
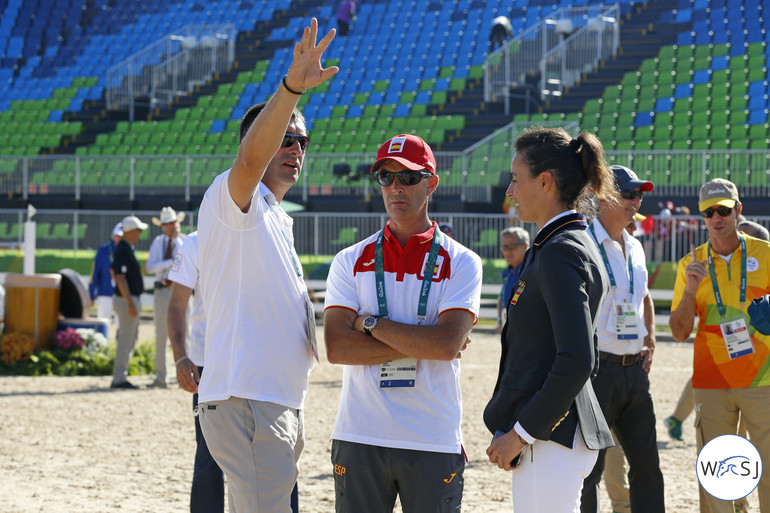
{"x": 729, "y": 467}
{"x": 752, "y": 264}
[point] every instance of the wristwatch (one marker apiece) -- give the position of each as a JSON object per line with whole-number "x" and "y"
{"x": 369, "y": 323}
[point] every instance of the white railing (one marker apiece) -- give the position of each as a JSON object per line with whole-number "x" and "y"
{"x": 468, "y": 176}
{"x": 579, "y": 50}
{"x": 317, "y": 233}
{"x": 170, "y": 67}
{"x": 532, "y": 56}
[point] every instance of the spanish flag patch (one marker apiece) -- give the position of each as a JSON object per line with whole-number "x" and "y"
{"x": 519, "y": 289}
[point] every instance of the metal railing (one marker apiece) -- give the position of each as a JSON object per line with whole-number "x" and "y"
{"x": 554, "y": 51}
{"x": 580, "y": 50}
{"x": 468, "y": 176}
{"x": 321, "y": 233}
{"x": 170, "y": 67}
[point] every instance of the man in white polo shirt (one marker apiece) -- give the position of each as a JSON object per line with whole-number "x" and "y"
{"x": 399, "y": 308}
{"x": 259, "y": 319}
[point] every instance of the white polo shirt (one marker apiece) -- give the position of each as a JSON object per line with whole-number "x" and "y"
{"x": 427, "y": 416}
{"x": 254, "y": 295}
{"x": 605, "y": 330}
{"x": 185, "y": 272}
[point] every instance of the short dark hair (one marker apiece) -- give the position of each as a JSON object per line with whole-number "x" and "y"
{"x": 254, "y": 111}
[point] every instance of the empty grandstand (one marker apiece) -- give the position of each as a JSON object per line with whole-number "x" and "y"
{"x": 132, "y": 105}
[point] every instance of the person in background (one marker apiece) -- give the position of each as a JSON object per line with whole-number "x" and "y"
{"x": 399, "y": 309}
{"x": 102, "y": 286}
{"x": 163, "y": 250}
{"x": 208, "y": 484}
{"x": 547, "y": 423}
{"x": 686, "y": 401}
{"x": 129, "y": 286}
{"x": 260, "y": 326}
{"x": 731, "y": 376}
{"x": 514, "y": 243}
{"x": 446, "y": 228}
{"x": 753, "y": 229}
{"x": 626, "y": 338}
{"x": 346, "y": 10}
{"x": 500, "y": 33}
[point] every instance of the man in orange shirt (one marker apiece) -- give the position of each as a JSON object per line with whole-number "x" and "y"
{"x": 731, "y": 370}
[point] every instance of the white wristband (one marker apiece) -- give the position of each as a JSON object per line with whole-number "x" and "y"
{"x": 179, "y": 360}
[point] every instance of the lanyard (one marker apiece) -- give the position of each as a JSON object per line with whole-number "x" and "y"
{"x": 297, "y": 266}
{"x": 607, "y": 263}
{"x": 715, "y": 285}
{"x": 427, "y": 278}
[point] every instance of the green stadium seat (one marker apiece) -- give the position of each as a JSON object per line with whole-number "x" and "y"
{"x": 346, "y": 236}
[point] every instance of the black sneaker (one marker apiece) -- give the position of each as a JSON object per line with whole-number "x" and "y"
{"x": 127, "y": 385}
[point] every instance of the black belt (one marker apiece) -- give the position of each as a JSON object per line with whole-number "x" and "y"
{"x": 626, "y": 360}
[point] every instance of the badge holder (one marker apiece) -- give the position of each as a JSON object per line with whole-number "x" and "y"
{"x": 736, "y": 336}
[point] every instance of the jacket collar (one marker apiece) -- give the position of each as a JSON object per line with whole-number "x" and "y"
{"x": 568, "y": 222}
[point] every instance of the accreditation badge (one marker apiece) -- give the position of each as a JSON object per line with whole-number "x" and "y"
{"x": 626, "y": 322}
{"x": 736, "y": 336}
{"x": 401, "y": 373}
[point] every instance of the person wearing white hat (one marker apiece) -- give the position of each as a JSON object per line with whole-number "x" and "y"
{"x": 127, "y": 305}
{"x": 163, "y": 250}
{"x": 102, "y": 285}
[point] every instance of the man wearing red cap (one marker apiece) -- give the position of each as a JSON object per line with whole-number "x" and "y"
{"x": 399, "y": 309}
{"x": 731, "y": 371}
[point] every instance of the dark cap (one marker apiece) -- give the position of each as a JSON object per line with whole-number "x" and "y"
{"x": 626, "y": 180}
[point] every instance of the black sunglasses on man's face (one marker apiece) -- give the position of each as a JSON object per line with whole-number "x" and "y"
{"x": 722, "y": 211}
{"x": 629, "y": 195}
{"x": 290, "y": 139}
{"x": 407, "y": 178}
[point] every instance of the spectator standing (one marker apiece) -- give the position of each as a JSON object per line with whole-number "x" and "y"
{"x": 102, "y": 286}
{"x": 127, "y": 304}
{"x": 500, "y": 33}
{"x": 163, "y": 250}
{"x": 346, "y": 10}
{"x": 716, "y": 282}
{"x": 399, "y": 308}
{"x": 254, "y": 294}
{"x": 514, "y": 243}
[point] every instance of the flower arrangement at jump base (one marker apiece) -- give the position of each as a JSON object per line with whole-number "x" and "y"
{"x": 91, "y": 341}
{"x": 16, "y": 347}
{"x": 68, "y": 339}
{"x": 75, "y": 352}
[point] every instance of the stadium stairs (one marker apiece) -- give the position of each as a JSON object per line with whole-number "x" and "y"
{"x": 643, "y": 31}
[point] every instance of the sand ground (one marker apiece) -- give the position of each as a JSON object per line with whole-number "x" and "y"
{"x": 73, "y": 445}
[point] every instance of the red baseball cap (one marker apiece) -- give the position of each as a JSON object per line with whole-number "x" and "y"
{"x": 408, "y": 150}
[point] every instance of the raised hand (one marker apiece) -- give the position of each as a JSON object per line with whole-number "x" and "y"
{"x": 306, "y": 70}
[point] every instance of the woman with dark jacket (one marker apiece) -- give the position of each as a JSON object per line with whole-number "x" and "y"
{"x": 547, "y": 423}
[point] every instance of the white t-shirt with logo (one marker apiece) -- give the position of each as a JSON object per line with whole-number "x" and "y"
{"x": 427, "y": 416}
{"x": 184, "y": 271}
{"x": 255, "y": 300}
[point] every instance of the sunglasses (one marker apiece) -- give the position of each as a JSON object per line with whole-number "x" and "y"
{"x": 508, "y": 247}
{"x": 722, "y": 211}
{"x": 290, "y": 139}
{"x": 385, "y": 178}
{"x": 629, "y": 195}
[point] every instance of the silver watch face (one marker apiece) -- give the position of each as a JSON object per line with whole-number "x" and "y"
{"x": 369, "y": 323}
